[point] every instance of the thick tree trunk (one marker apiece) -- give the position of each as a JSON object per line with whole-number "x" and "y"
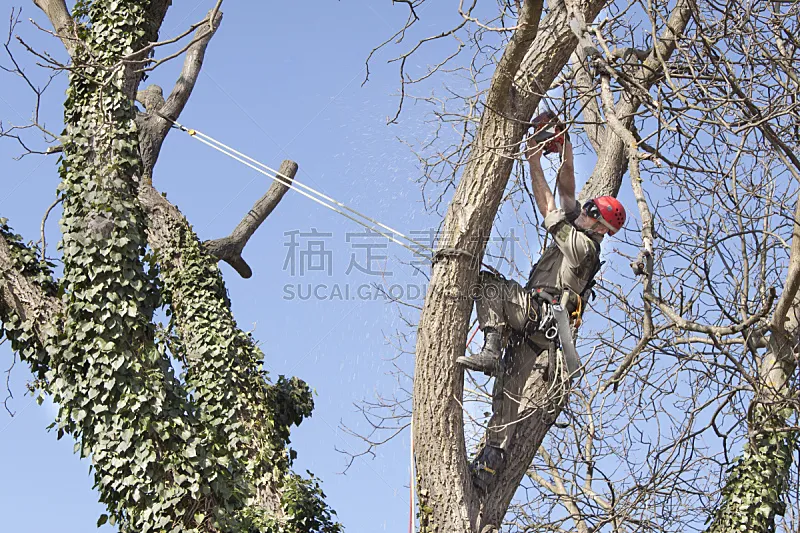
{"x": 115, "y": 389}
{"x": 224, "y": 365}
{"x": 753, "y": 494}
{"x": 447, "y": 499}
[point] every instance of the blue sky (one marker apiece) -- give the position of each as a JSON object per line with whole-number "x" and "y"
{"x": 279, "y": 82}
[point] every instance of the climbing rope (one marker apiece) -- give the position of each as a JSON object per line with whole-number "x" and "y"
{"x": 309, "y": 192}
{"x": 325, "y": 200}
{"x": 412, "y": 483}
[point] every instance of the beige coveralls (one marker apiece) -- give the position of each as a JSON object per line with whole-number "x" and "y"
{"x": 504, "y": 304}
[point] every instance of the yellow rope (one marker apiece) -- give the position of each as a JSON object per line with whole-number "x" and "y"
{"x": 578, "y": 314}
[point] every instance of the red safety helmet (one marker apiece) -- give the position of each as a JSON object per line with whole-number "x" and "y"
{"x": 608, "y": 210}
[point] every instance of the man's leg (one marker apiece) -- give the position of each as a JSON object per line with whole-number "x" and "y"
{"x": 502, "y": 306}
{"x": 509, "y": 392}
{"x": 507, "y": 399}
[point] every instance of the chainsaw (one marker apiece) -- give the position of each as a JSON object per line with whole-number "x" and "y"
{"x": 549, "y": 131}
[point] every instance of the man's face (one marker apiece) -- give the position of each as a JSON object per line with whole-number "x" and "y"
{"x": 585, "y": 222}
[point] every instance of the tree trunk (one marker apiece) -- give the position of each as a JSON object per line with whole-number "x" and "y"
{"x": 754, "y": 490}
{"x": 447, "y": 499}
{"x": 206, "y": 453}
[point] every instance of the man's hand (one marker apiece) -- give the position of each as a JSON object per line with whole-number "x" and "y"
{"x": 532, "y": 150}
{"x": 549, "y": 132}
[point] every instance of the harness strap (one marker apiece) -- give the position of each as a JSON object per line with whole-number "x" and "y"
{"x": 451, "y": 252}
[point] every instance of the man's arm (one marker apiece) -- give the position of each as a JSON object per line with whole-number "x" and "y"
{"x": 566, "y": 178}
{"x": 541, "y": 191}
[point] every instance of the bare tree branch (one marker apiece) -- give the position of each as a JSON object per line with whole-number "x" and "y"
{"x": 60, "y": 18}
{"x": 790, "y": 287}
{"x": 592, "y": 120}
{"x": 16, "y": 131}
{"x": 645, "y": 258}
{"x": 43, "y": 252}
{"x": 154, "y": 125}
{"x": 229, "y": 249}
{"x": 611, "y": 161}
{"x": 716, "y": 331}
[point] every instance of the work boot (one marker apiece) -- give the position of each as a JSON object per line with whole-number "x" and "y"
{"x": 486, "y": 465}
{"x": 488, "y": 360}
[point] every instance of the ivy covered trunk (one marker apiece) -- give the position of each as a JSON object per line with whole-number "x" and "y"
{"x": 114, "y": 385}
{"x": 205, "y": 451}
{"x": 251, "y": 417}
{"x": 754, "y": 491}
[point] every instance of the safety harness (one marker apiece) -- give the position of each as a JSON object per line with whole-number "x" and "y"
{"x": 560, "y": 313}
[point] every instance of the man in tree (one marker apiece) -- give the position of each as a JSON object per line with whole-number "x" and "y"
{"x": 523, "y": 318}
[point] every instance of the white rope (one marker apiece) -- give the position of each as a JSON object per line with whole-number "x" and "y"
{"x": 313, "y": 191}
{"x": 307, "y": 191}
{"x": 320, "y": 202}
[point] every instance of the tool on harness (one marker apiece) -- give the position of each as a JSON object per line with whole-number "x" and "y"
{"x": 577, "y": 314}
{"x": 565, "y": 334}
{"x": 548, "y": 129}
{"x": 540, "y": 317}
{"x": 555, "y": 323}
